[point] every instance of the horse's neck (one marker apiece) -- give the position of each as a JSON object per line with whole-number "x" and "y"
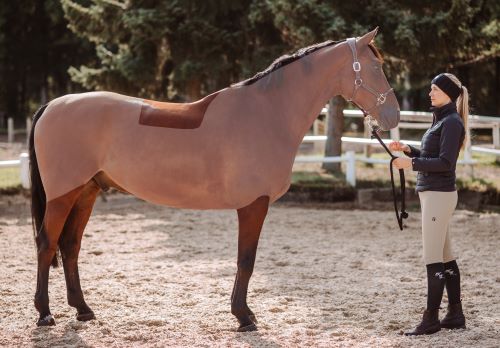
{"x": 304, "y": 88}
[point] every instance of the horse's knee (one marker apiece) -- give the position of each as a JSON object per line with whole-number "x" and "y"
{"x": 245, "y": 266}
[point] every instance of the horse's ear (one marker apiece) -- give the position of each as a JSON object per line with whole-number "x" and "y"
{"x": 368, "y": 37}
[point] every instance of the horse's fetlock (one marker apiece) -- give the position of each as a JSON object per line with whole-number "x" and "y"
{"x": 238, "y": 311}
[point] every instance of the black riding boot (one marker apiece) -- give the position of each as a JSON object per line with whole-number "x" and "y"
{"x": 454, "y": 318}
{"x": 428, "y": 325}
{"x": 435, "y": 287}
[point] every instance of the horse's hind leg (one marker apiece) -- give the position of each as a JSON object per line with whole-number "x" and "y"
{"x": 250, "y": 219}
{"x": 70, "y": 243}
{"x": 56, "y": 212}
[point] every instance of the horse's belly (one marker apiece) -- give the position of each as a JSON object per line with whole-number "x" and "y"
{"x": 197, "y": 177}
{"x": 184, "y": 189}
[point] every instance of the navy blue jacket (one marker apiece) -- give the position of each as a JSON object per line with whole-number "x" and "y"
{"x": 437, "y": 158}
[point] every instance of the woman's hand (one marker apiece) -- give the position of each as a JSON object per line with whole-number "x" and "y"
{"x": 402, "y": 163}
{"x": 398, "y": 146}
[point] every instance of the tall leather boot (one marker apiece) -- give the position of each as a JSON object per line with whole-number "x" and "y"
{"x": 429, "y": 324}
{"x": 454, "y": 318}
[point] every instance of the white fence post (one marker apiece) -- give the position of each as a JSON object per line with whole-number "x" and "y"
{"x": 28, "y": 129}
{"x": 10, "y": 130}
{"x": 24, "y": 158}
{"x": 350, "y": 173}
{"x": 395, "y": 134}
{"x": 496, "y": 138}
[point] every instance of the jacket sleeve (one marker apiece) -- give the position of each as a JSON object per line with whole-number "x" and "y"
{"x": 414, "y": 152}
{"x": 449, "y": 147}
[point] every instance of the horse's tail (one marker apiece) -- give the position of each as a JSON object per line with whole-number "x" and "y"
{"x": 38, "y": 198}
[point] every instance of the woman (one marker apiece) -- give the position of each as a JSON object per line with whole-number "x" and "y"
{"x": 435, "y": 162}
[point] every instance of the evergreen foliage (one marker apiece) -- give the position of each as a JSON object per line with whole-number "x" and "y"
{"x": 184, "y": 49}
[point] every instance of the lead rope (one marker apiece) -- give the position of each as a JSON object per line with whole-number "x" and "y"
{"x": 403, "y": 214}
{"x": 381, "y": 97}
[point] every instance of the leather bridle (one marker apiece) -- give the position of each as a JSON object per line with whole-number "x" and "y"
{"x": 381, "y": 98}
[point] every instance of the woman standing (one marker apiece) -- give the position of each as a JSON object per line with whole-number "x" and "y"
{"x": 435, "y": 162}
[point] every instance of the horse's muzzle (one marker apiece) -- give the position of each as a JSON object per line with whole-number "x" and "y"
{"x": 388, "y": 117}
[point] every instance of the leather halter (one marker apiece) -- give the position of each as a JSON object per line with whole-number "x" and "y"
{"x": 358, "y": 81}
{"x": 381, "y": 98}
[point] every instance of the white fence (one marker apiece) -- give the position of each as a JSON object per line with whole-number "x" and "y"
{"x": 24, "y": 163}
{"x": 349, "y": 157}
{"x": 423, "y": 120}
{"x": 11, "y": 132}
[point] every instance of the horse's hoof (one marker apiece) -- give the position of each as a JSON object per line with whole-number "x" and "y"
{"x": 47, "y": 321}
{"x": 248, "y": 328}
{"x": 85, "y": 316}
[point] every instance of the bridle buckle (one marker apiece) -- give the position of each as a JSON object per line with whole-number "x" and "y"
{"x": 356, "y": 66}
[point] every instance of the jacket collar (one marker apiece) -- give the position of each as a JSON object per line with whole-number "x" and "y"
{"x": 443, "y": 111}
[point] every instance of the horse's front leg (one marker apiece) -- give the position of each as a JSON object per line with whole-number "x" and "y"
{"x": 250, "y": 221}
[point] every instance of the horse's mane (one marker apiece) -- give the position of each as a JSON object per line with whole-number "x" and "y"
{"x": 285, "y": 60}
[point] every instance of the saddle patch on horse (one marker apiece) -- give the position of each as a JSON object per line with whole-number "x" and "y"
{"x": 174, "y": 115}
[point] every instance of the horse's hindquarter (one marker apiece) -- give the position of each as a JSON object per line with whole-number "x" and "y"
{"x": 70, "y": 137}
{"x": 229, "y": 161}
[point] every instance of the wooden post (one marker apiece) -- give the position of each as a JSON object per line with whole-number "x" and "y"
{"x": 10, "y": 130}
{"x": 335, "y": 127}
{"x": 367, "y": 149}
{"x": 28, "y": 130}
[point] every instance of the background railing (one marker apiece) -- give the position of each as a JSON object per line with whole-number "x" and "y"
{"x": 409, "y": 120}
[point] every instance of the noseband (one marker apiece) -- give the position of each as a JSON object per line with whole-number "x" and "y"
{"x": 381, "y": 97}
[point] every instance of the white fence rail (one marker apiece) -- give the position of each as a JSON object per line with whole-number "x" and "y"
{"x": 408, "y": 118}
{"x": 423, "y": 120}
{"x": 24, "y": 163}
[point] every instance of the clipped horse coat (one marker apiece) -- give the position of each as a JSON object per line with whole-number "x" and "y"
{"x": 225, "y": 162}
{"x": 234, "y": 149}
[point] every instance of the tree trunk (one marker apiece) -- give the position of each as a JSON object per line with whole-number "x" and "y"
{"x": 335, "y": 126}
{"x": 194, "y": 89}
{"x": 406, "y": 104}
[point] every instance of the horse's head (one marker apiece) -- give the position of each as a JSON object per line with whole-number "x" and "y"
{"x": 364, "y": 82}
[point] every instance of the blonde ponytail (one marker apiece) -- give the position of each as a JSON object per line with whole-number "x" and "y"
{"x": 462, "y": 104}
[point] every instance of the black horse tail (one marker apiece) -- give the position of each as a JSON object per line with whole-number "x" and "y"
{"x": 38, "y": 198}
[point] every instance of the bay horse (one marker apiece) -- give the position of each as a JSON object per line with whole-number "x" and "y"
{"x": 233, "y": 149}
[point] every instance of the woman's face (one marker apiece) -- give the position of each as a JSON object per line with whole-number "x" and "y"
{"x": 438, "y": 97}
